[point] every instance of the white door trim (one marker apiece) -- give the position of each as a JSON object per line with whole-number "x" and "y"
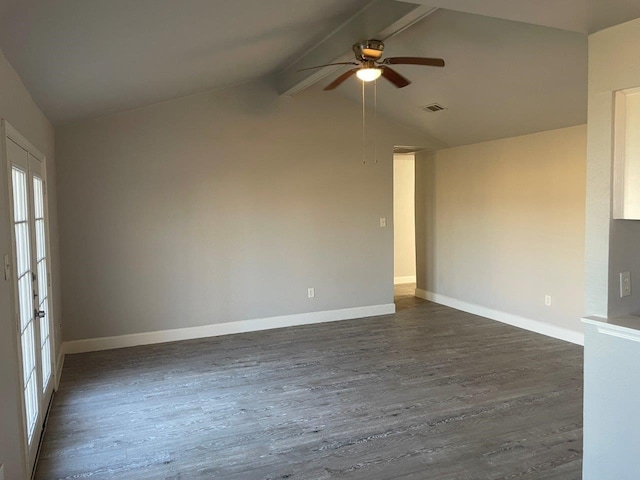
{"x": 14, "y": 135}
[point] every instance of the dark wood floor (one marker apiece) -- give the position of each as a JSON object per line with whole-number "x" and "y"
{"x": 428, "y": 393}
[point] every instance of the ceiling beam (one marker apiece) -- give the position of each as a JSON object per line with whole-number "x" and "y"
{"x": 380, "y": 19}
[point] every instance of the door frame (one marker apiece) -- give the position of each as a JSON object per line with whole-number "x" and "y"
{"x": 9, "y": 132}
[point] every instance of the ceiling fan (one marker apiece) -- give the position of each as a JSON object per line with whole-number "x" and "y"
{"x": 370, "y": 66}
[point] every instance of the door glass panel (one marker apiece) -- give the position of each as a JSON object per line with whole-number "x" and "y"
{"x": 25, "y": 297}
{"x": 43, "y": 283}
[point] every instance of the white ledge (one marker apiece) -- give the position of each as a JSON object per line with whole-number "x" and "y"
{"x": 627, "y": 327}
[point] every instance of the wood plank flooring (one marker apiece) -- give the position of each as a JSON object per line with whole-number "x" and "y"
{"x": 427, "y": 393}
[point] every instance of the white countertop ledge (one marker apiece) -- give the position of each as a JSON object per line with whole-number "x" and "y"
{"x": 627, "y": 327}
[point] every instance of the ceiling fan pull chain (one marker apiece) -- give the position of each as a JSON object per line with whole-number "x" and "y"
{"x": 375, "y": 121}
{"x": 364, "y": 140}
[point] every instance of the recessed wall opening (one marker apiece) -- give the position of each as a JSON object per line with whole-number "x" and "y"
{"x": 404, "y": 225}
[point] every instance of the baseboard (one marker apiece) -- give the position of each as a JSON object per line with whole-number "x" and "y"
{"x": 214, "y": 330}
{"x": 537, "y": 326}
{"x": 59, "y": 365}
{"x": 401, "y": 280}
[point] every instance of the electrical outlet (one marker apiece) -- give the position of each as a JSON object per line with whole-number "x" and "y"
{"x": 547, "y": 300}
{"x": 311, "y": 292}
{"x": 625, "y": 284}
{"x": 383, "y": 222}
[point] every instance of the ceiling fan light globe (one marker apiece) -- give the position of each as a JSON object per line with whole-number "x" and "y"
{"x": 369, "y": 74}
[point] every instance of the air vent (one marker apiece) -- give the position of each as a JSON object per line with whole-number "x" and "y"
{"x": 433, "y": 107}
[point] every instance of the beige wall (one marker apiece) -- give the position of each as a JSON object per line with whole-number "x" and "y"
{"x": 223, "y": 206}
{"x": 404, "y": 221}
{"x": 501, "y": 224}
{"x": 17, "y": 107}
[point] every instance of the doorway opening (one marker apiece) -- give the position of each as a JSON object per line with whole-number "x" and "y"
{"x": 404, "y": 227}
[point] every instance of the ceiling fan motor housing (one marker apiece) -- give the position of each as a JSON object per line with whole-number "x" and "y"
{"x": 369, "y": 50}
{"x": 370, "y": 65}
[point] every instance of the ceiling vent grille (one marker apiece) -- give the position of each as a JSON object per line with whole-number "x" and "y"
{"x": 433, "y": 107}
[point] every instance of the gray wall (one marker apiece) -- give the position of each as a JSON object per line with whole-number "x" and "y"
{"x": 611, "y": 380}
{"x": 18, "y": 108}
{"x": 223, "y": 206}
{"x": 501, "y": 224}
{"x": 611, "y": 245}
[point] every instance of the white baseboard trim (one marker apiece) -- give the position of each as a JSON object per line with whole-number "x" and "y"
{"x": 401, "y": 280}
{"x": 537, "y": 326}
{"x": 214, "y": 330}
{"x": 59, "y": 365}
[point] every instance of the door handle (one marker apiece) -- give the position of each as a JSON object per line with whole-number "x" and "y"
{"x": 39, "y": 313}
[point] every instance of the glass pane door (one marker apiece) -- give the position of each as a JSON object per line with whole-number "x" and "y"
{"x": 43, "y": 278}
{"x": 32, "y": 296}
{"x": 25, "y": 296}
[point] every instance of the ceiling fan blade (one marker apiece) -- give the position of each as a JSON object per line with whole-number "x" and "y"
{"x": 328, "y": 65}
{"x": 430, "y": 62}
{"x": 394, "y": 77}
{"x": 341, "y": 79}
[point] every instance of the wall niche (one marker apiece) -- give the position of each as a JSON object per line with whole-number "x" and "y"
{"x": 626, "y": 155}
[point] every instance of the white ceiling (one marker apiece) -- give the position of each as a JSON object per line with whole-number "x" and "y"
{"x": 82, "y": 59}
{"x": 584, "y": 16}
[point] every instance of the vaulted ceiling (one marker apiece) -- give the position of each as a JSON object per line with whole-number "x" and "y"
{"x": 81, "y": 59}
{"x": 502, "y": 78}
{"x": 513, "y": 66}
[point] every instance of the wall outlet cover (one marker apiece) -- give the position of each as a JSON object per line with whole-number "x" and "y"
{"x": 625, "y": 284}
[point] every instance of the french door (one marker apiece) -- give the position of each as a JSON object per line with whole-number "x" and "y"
{"x": 30, "y": 270}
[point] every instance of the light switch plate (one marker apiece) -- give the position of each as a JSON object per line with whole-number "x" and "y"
{"x": 1, "y": 472}
{"x": 383, "y": 222}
